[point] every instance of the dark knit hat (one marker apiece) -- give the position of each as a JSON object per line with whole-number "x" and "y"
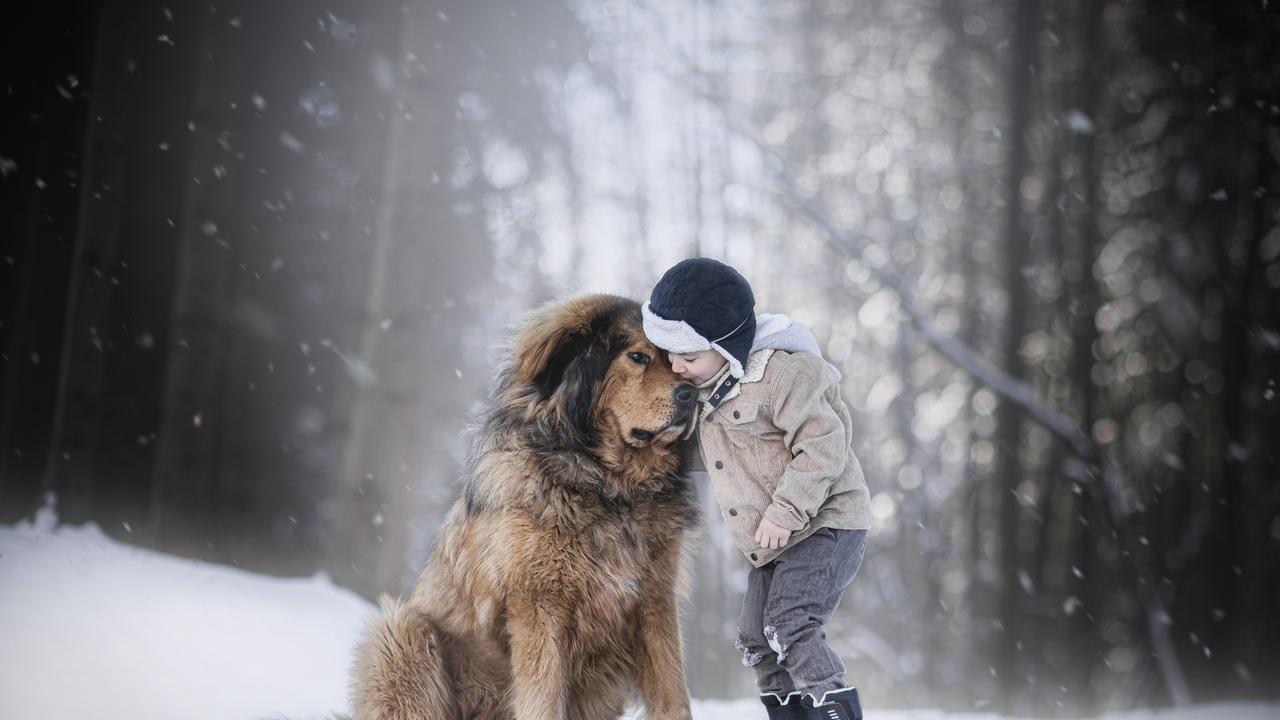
{"x": 703, "y": 304}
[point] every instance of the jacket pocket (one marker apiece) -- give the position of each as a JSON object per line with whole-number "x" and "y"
{"x": 739, "y": 422}
{"x": 741, "y": 415}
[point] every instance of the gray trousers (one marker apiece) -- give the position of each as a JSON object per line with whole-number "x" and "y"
{"x": 787, "y": 602}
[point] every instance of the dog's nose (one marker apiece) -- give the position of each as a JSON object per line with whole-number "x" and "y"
{"x": 685, "y": 393}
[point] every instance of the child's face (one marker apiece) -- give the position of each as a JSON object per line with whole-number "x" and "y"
{"x": 696, "y": 367}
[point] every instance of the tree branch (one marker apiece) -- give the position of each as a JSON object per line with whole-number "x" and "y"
{"x": 1020, "y": 393}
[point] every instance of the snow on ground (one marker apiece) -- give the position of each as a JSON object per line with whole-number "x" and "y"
{"x": 93, "y": 628}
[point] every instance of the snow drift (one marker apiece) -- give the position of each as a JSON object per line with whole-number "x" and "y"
{"x": 94, "y": 628}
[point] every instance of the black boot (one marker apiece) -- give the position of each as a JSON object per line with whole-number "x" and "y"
{"x": 838, "y": 705}
{"x": 787, "y": 708}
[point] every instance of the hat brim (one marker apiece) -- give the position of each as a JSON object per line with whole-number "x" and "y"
{"x": 678, "y": 336}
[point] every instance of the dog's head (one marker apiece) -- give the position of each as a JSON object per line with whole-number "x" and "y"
{"x": 597, "y": 379}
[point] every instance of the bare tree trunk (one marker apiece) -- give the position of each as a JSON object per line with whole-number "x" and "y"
{"x": 1239, "y": 248}
{"x": 975, "y": 493}
{"x": 69, "y": 468}
{"x": 194, "y": 424}
{"x": 114, "y": 340}
{"x": 369, "y": 529}
{"x": 46, "y": 116}
{"x": 1084, "y": 582}
{"x": 1026, "y": 29}
{"x": 399, "y": 462}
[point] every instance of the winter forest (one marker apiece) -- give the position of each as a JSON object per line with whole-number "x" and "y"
{"x": 259, "y": 260}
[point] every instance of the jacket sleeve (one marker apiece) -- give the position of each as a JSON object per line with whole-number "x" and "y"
{"x": 814, "y": 433}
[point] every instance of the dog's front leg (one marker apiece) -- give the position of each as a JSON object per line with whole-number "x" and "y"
{"x": 661, "y": 659}
{"x": 539, "y": 684}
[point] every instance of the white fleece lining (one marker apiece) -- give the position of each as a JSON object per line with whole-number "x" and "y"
{"x": 675, "y": 336}
{"x": 783, "y": 700}
{"x": 678, "y": 336}
{"x": 735, "y": 367}
{"x": 823, "y": 701}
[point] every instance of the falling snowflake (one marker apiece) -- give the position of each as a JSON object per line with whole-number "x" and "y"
{"x": 288, "y": 140}
{"x": 321, "y": 103}
{"x": 1079, "y": 123}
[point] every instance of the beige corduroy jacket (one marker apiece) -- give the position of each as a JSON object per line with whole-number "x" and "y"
{"x": 780, "y": 446}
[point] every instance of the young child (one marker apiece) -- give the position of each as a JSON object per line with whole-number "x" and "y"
{"x": 775, "y": 440}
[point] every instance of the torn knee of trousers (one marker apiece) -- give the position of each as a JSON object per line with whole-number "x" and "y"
{"x": 750, "y": 658}
{"x": 771, "y": 635}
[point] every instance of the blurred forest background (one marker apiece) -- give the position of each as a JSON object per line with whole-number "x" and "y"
{"x": 259, "y": 258}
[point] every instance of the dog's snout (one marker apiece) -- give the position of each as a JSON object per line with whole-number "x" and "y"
{"x": 685, "y": 394}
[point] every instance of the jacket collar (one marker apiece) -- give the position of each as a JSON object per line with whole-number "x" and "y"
{"x": 715, "y": 393}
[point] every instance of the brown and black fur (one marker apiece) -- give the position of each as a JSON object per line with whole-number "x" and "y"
{"x": 551, "y": 593}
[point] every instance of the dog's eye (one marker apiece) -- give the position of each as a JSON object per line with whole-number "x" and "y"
{"x": 639, "y": 358}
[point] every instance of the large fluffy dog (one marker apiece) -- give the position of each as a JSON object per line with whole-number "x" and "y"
{"x": 551, "y": 593}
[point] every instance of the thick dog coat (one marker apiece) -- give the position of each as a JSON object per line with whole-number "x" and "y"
{"x": 551, "y": 592}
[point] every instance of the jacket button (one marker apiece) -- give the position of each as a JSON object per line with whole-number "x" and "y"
{"x": 736, "y": 414}
{"x": 753, "y": 556}
{"x": 719, "y": 465}
{"x": 733, "y": 512}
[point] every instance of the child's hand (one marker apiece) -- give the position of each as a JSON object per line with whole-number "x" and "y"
{"x": 771, "y": 536}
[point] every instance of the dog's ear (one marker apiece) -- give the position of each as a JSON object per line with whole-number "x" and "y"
{"x": 553, "y": 336}
{"x": 565, "y": 351}
{"x": 565, "y": 355}
{"x": 579, "y": 385}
